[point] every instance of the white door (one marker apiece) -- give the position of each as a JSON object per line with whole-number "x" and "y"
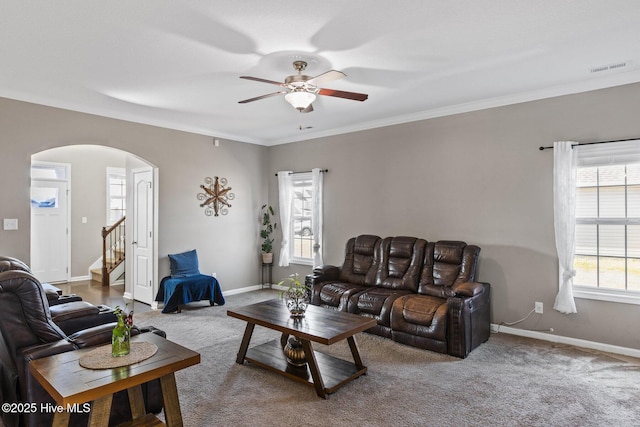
{"x": 49, "y": 230}
{"x": 142, "y": 238}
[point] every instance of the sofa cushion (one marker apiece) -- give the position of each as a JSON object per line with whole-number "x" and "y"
{"x": 336, "y": 294}
{"x": 375, "y": 302}
{"x": 360, "y": 263}
{"x": 446, "y": 263}
{"x": 400, "y": 261}
{"x": 184, "y": 264}
{"x": 421, "y": 310}
{"x": 420, "y": 315}
{"x": 370, "y": 301}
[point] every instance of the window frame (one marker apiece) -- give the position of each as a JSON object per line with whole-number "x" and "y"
{"x": 624, "y": 296}
{"x": 119, "y": 173}
{"x": 293, "y": 258}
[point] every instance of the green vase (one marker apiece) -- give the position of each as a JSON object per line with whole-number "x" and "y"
{"x": 120, "y": 339}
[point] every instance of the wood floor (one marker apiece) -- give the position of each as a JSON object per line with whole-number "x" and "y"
{"x": 95, "y": 293}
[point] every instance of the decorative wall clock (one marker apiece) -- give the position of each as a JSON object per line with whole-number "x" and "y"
{"x": 216, "y": 196}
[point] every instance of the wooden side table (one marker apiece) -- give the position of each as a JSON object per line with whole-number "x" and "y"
{"x": 70, "y": 384}
{"x": 267, "y": 270}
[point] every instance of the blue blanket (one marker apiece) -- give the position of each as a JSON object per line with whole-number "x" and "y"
{"x": 178, "y": 291}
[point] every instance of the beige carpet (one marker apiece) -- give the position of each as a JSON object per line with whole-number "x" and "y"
{"x": 508, "y": 381}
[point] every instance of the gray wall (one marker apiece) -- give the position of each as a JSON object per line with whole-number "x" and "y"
{"x": 477, "y": 177}
{"x": 227, "y": 245}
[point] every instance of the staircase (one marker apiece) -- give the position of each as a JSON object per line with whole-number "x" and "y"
{"x": 113, "y": 254}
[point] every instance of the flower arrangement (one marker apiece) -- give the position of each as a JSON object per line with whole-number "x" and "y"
{"x": 122, "y": 316}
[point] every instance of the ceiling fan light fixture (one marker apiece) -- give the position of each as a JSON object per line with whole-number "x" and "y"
{"x": 300, "y": 100}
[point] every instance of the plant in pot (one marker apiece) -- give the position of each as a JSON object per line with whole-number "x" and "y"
{"x": 296, "y": 296}
{"x": 267, "y": 229}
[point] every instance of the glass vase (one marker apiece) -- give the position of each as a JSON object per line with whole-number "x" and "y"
{"x": 120, "y": 340}
{"x": 296, "y": 301}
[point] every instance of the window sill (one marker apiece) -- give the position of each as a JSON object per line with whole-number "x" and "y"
{"x": 301, "y": 261}
{"x": 611, "y": 295}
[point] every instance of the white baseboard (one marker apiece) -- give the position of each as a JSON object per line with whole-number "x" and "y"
{"x": 545, "y": 336}
{"x": 242, "y": 290}
{"x": 79, "y": 278}
{"x": 127, "y": 295}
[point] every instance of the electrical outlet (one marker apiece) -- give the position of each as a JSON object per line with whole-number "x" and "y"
{"x": 539, "y": 307}
{"x": 213, "y": 274}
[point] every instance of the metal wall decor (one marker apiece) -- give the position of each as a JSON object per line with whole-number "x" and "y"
{"x": 216, "y": 196}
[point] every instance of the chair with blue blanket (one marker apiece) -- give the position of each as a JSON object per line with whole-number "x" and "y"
{"x": 186, "y": 284}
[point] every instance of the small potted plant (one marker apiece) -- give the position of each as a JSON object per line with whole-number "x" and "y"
{"x": 267, "y": 229}
{"x": 296, "y": 296}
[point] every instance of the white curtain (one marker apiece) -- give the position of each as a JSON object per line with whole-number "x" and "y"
{"x": 285, "y": 195}
{"x": 316, "y": 219}
{"x": 564, "y": 221}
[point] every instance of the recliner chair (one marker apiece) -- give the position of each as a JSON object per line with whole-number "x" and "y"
{"x": 28, "y": 332}
{"x": 69, "y": 312}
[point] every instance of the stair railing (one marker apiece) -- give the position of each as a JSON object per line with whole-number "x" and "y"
{"x": 113, "y": 249}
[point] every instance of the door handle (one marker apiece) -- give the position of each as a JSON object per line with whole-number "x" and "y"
{"x": 134, "y": 243}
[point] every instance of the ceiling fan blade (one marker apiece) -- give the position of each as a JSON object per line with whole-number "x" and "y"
{"x": 261, "y": 97}
{"x": 329, "y": 76}
{"x": 257, "y": 79}
{"x": 342, "y": 94}
{"x": 308, "y": 109}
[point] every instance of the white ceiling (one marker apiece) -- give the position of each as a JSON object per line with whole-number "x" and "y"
{"x": 176, "y": 63}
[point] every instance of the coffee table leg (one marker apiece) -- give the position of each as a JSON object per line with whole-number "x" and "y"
{"x": 100, "y": 411}
{"x": 244, "y": 346}
{"x": 318, "y": 383}
{"x": 353, "y": 345}
{"x": 172, "y": 412}
{"x": 61, "y": 419}
{"x": 136, "y": 401}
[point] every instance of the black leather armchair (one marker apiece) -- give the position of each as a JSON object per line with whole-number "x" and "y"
{"x": 28, "y": 332}
{"x": 54, "y": 294}
{"x": 69, "y": 312}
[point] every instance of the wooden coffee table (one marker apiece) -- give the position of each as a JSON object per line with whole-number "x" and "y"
{"x": 70, "y": 384}
{"x": 320, "y": 325}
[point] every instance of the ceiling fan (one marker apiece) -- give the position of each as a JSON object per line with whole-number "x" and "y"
{"x": 301, "y": 90}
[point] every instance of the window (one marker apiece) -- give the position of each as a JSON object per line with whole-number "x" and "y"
{"x": 607, "y": 253}
{"x": 301, "y": 249}
{"x": 116, "y": 194}
{"x": 300, "y": 201}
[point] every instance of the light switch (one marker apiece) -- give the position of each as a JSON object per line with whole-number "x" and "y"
{"x": 10, "y": 224}
{"x": 84, "y": 219}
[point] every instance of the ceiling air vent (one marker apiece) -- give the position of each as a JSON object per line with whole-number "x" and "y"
{"x": 609, "y": 67}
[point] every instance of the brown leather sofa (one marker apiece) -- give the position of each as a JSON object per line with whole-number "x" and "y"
{"x": 27, "y": 332}
{"x": 69, "y": 312}
{"x": 421, "y": 293}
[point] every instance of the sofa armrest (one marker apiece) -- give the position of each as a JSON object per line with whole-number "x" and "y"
{"x": 153, "y": 330}
{"x": 72, "y": 310}
{"x": 101, "y": 334}
{"x": 469, "y": 320}
{"x": 93, "y": 336}
{"x": 49, "y": 349}
{"x": 322, "y": 273}
{"x": 468, "y": 289}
